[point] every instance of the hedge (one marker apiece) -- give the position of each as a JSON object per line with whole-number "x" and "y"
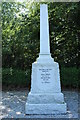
{"x": 19, "y": 78}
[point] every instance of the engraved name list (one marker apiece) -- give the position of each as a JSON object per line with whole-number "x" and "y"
{"x": 45, "y": 75}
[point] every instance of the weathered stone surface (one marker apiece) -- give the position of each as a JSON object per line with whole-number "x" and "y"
{"x": 45, "y": 78}
{"x": 17, "y": 110}
{"x": 54, "y": 108}
{"x": 45, "y": 96}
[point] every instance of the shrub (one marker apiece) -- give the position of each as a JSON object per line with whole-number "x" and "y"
{"x": 69, "y": 77}
{"x": 15, "y": 78}
{"x": 19, "y": 78}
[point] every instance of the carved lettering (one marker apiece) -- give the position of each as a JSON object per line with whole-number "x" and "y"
{"x": 45, "y": 75}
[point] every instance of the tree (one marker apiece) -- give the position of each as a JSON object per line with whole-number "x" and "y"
{"x": 21, "y": 33}
{"x": 64, "y": 32}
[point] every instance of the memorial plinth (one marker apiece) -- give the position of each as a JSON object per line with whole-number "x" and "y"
{"x": 45, "y": 96}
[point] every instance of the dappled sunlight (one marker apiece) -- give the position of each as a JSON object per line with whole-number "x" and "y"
{"x": 9, "y": 110}
{"x": 29, "y": 1}
{"x": 2, "y": 107}
{"x": 18, "y": 113}
{"x": 70, "y": 115}
{"x": 13, "y": 105}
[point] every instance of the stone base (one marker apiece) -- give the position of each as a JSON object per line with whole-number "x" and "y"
{"x": 45, "y": 108}
{"x": 45, "y": 96}
{"x": 45, "y": 104}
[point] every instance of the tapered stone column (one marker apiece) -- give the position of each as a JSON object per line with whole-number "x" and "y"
{"x": 44, "y": 30}
{"x": 45, "y": 96}
{"x": 44, "y": 55}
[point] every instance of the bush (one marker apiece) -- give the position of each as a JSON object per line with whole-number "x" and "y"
{"x": 19, "y": 78}
{"x": 69, "y": 77}
{"x": 15, "y": 78}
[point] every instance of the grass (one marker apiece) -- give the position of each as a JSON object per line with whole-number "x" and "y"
{"x": 19, "y": 78}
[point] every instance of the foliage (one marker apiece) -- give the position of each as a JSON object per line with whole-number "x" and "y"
{"x": 21, "y": 33}
{"x": 19, "y": 78}
{"x": 69, "y": 77}
{"x": 19, "y": 36}
{"x": 15, "y": 78}
{"x": 64, "y": 30}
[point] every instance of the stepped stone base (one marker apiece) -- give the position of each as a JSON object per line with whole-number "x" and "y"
{"x": 45, "y": 104}
{"x": 45, "y": 96}
{"x": 45, "y": 108}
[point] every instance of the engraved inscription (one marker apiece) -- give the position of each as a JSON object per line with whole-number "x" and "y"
{"x": 45, "y": 75}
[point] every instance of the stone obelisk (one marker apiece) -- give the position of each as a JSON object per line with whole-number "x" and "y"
{"x": 45, "y": 96}
{"x": 44, "y": 30}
